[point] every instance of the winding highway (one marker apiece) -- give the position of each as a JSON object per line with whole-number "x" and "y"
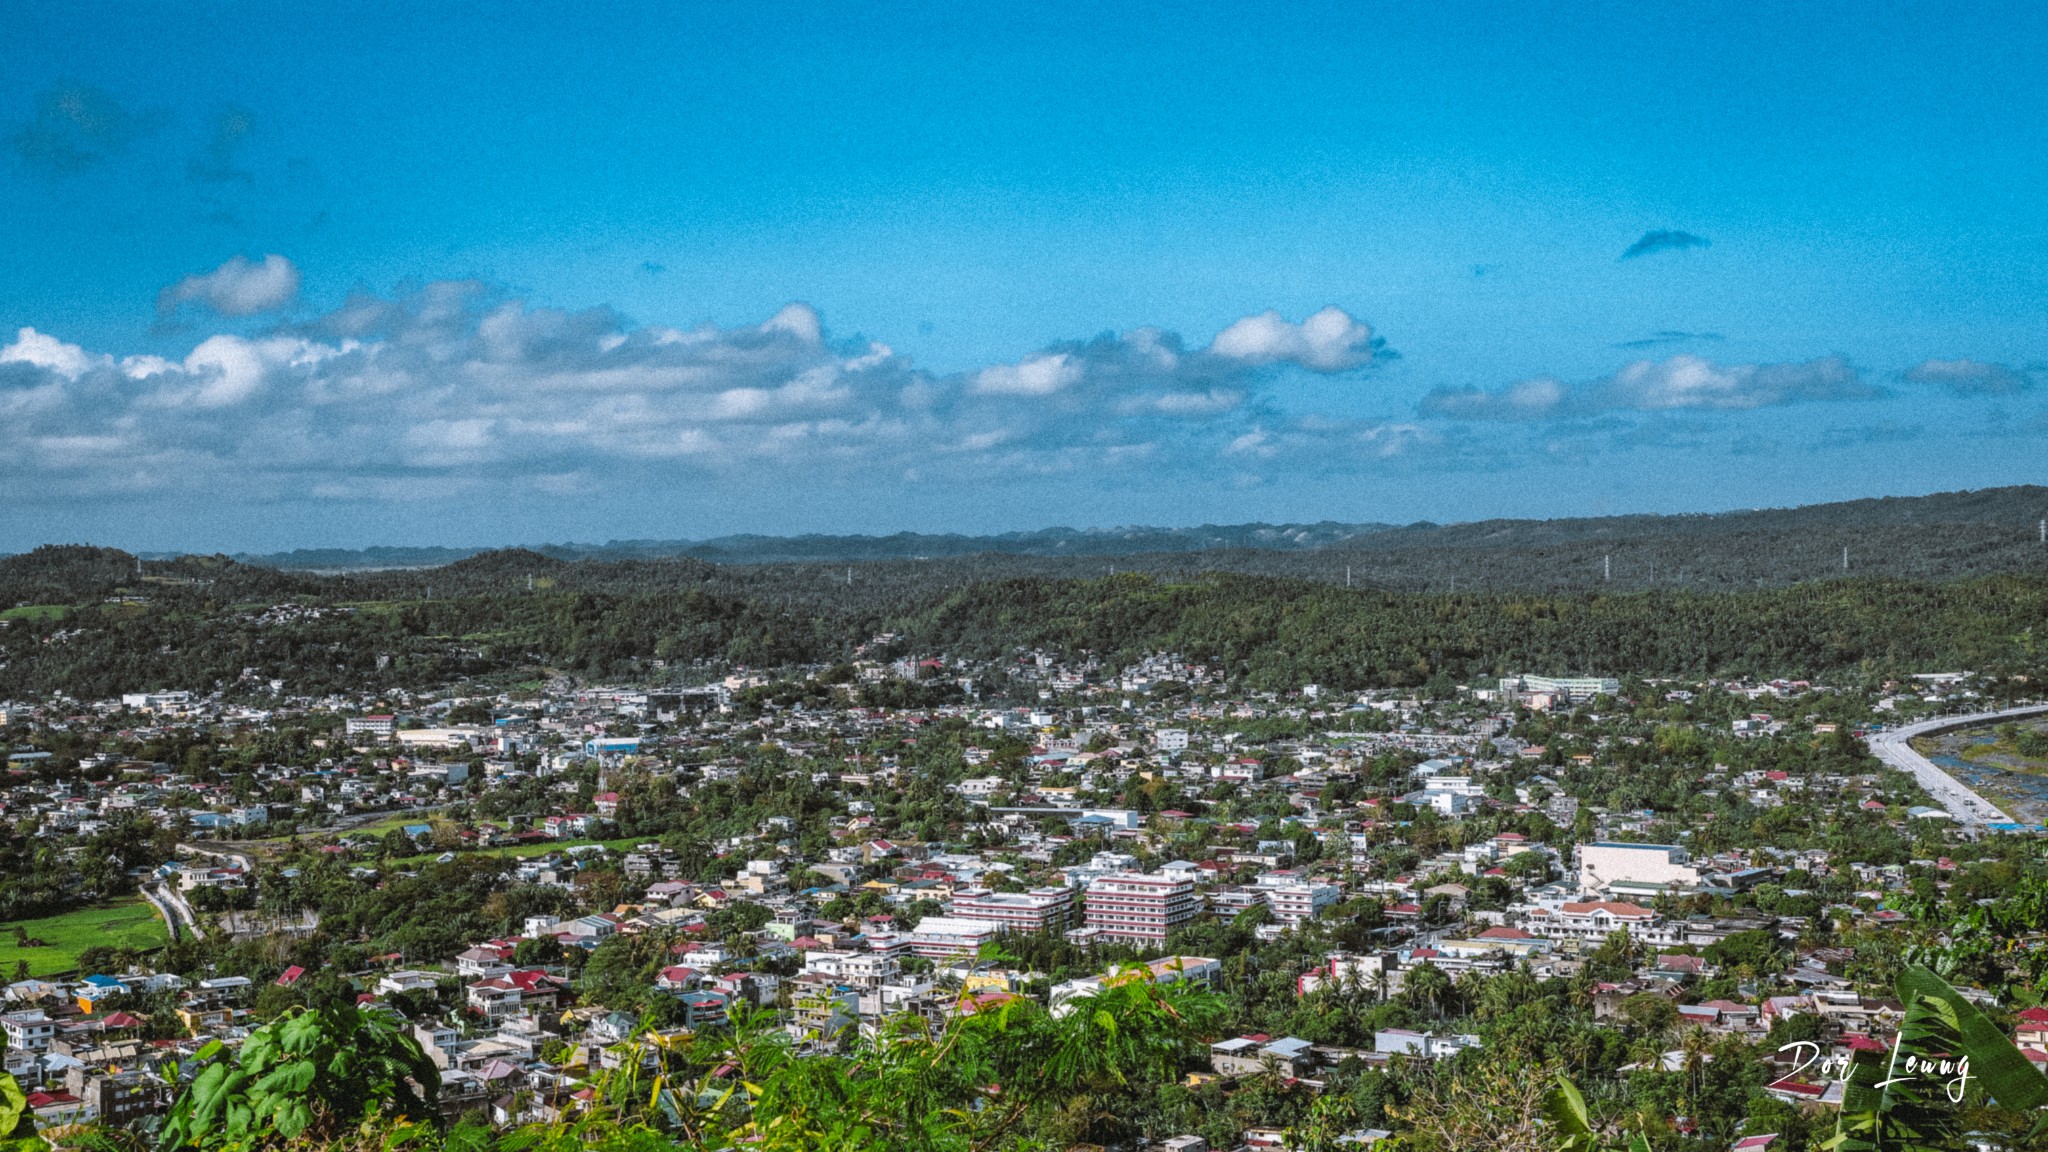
{"x": 1968, "y": 808}
{"x": 177, "y": 914}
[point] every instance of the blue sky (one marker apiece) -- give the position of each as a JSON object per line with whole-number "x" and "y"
{"x": 283, "y": 275}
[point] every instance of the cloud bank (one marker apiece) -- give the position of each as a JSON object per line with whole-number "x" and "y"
{"x": 1972, "y": 377}
{"x": 1680, "y": 383}
{"x": 453, "y": 389}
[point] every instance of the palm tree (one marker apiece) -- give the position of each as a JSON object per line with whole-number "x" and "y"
{"x": 1692, "y": 1046}
{"x": 1429, "y": 985}
{"x": 1647, "y": 1050}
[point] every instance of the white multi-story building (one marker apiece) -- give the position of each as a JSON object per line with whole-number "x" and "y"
{"x": 1450, "y": 795}
{"x": 1571, "y": 689}
{"x": 28, "y": 1031}
{"x": 157, "y": 701}
{"x": 1297, "y": 904}
{"x": 1406, "y": 1042}
{"x": 1171, "y": 739}
{"x": 1609, "y": 867}
{"x": 1039, "y": 910}
{"x": 378, "y": 726}
{"x": 1134, "y": 906}
{"x": 859, "y": 969}
{"x": 939, "y": 936}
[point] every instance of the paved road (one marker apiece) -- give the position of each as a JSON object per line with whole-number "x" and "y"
{"x": 163, "y": 909}
{"x": 1968, "y": 808}
{"x": 169, "y": 901}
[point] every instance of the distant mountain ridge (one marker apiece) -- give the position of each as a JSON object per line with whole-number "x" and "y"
{"x": 2008, "y": 511}
{"x": 815, "y": 547}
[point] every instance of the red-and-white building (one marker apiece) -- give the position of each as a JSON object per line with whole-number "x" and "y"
{"x": 1138, "y": 907}
{"x": 1595, "y": 920}
{"x": 2031, "y": 1030}
{"x": 1039, "y": 910}
{"x": 512, "y": 993}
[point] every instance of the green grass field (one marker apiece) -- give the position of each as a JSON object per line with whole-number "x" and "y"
{"x": 129, "y": 923}
{"x": 36, "y": 612}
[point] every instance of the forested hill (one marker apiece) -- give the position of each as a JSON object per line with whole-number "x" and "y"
{"x": 1957, "y": 535}
{"x": 1280, "y": 633}
{"x": 85, "y": 624}
{"x": 1954, "y": 581}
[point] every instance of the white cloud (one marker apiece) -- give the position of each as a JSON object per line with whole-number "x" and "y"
{"x": 1033, "y": 376}
{"x": 798, "y": 320}
{"x": 1329, "y": 341}
{"x": 1681, "y": 383}
{"x": 224, "y": 371}
{"x": 1972, "y": 377}
{"x": 240, "y": 287}
{"x": 46, "y": 351}
{"x": 1394, "y": 439}
{"x": 1691, "y": 382}
{"x": 143, "y": 367}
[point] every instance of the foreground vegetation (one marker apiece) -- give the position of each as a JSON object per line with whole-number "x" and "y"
{"x": 1008, "y": 1075}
